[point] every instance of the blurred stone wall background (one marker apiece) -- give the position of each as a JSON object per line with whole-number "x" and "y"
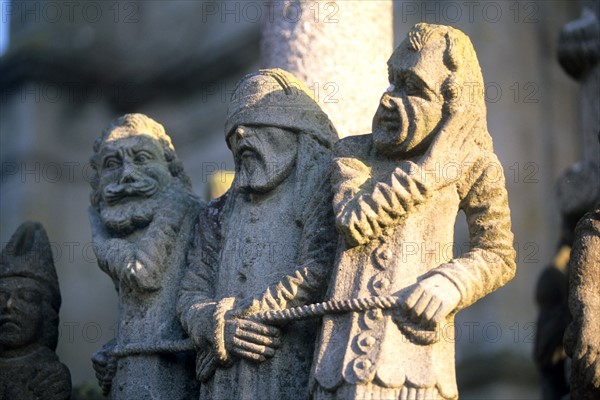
{"x": 72, "y": 66}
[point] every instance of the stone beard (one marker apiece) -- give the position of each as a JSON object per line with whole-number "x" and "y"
{"x": 253, "y": 172}
{"x": 267, "y": 244}
{"x": 142, "y": 221}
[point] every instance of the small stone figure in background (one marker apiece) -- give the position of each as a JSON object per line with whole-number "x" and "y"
{"x": 29, "y": 305}
{"x": 142, "y": 218}
{"x": 582, "y": 340}
{"x": 397, "y": 193}
{"x": 575, "y": 198}
{"x": 267, "y": 244}
{"x": 578, "y": 190}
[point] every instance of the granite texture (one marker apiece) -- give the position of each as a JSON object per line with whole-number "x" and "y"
{"x": 142, "y": 217}
{"x": 267, "y": 244}
{"x": 397, "y": 193}
{"x": 30, "y": 302}
{"x": 582, "y": 339}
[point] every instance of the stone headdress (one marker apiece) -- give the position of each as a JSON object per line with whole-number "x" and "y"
{"x": 28, "y": 255}
{"x": 274, "y": 97}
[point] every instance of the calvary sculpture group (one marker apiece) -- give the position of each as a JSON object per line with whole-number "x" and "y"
{"x": 295, "y": 283}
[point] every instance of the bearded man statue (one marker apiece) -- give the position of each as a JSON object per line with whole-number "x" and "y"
{"x": 267, "y": 244}
{"x": 397, "y": 193}
{"x": 29, "y": 305}
{"x": 142, "y": 217}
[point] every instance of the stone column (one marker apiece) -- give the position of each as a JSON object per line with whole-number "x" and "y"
{"x": 339, "y": 49}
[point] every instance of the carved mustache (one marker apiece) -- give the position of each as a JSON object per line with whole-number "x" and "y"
{"x": 249, "y": 146}
{"x": 115, "y": 192}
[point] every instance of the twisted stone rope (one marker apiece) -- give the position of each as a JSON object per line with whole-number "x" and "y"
{"x": 328, "y": 307}
{"x": 288, "y": 314}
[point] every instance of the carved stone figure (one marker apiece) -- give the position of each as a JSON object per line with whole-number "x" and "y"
{"x": 578, "y": 54}
{"x": 576, "y": 196}
{"x": 267, "y": 244}
{"x": 30, "y": 301}
{"x": 397, "y": 192}
{"x": 582, "y": 340}
{"x": 142, "y": 217}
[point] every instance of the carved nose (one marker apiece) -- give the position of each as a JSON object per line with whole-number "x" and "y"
{"x": 387, "y": 102}
{"x": 240, "y": 132}
{"x": 10, "y": 302}
{"x": 128, "y": 175}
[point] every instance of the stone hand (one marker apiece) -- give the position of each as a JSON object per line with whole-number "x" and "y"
{"x": 251, "y": 340}
{"x": 105, "y": 367}
{"x": 428, "y": 302}
{"x": 587, "y": 356}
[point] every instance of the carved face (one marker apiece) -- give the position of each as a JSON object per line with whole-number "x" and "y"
{"x": 132, "y": 171}
{"x": 20, "y": 312}
{"x": 264, "y": 156}
{"x": 411, "y": 109}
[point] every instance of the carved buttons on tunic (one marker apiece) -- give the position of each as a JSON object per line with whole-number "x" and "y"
{"x": 371, "y": 318}
{"x": 363, "y": 369}
{"x": 382, "y": 257}
{"x": 380, "y": 285}
{"x": 366, "y": 341}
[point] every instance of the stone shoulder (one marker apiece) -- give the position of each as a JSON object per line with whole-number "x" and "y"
{"x": 358, "y": 146}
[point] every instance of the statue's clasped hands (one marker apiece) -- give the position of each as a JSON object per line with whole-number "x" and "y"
{"x": 248, "y": 338}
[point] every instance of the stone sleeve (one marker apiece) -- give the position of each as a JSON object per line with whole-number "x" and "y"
{"x": 361, "y": 215}
{"x": 196, "y": 301}
{"x": 490, "y": 263}
{"x": 308, "y": 283}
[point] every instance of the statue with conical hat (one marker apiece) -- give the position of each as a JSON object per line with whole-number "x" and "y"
{"x": 29, "y": 305}
{"x": 142, "y": 218}
{"x": 396, "y": 195}
{"x": 266, "y": 245}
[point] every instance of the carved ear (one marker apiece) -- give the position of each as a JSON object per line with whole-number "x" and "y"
{"x": 454, "y": 54}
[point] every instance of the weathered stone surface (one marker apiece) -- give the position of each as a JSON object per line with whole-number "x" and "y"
{"x": 582, "y": 339}
{"x": 397, "y": 192}
{"x": 578, "y": 191}
{"x": 30, "y": 301}
{"x": 267, "y": 244}
{"x": 142, "y": 218}
{"x": 575, "y": 197}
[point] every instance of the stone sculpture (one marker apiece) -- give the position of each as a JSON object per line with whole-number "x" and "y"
{"x": 582, "y": 340}
{"x": 267, "y": 244}
{"x": 397, "y": 192}
{"x": 578, "y": 54}
{"x": 30, "y": 302}
{"x": 142, "y": 217}
{"x": 575, "y": 198}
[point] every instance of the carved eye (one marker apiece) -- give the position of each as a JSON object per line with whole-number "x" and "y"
{"x": 142, "y": 157}
{"x": 112, "y": 163}
{"x": 30, "y": 296}
{"x": 413, "y": 88}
